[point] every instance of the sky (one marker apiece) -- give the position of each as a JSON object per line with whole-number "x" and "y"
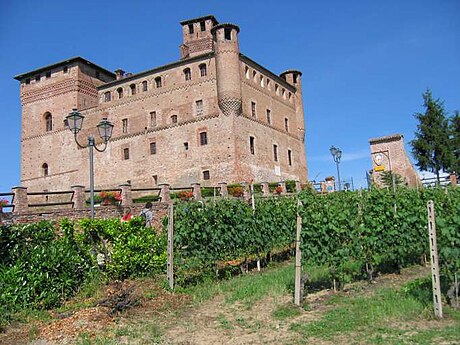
{"x": 365, "y": 64}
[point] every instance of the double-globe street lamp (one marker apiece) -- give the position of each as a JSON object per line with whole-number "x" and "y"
{"x": 337, "y": 154}
{"x": 105, "y": 127}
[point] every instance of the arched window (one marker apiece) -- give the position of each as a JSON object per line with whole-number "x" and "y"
{"x": 107, "y": 96}
{"x": 203, "y": 71}
{"x": 158, "y": 82}
{"x": 45, "y": 169}
{"x": 246, "y": 72}
{"x": 187, "y": 74}
{"x": 144, "y": 86}
{"x": 174, "y": 119}
{"x": 120, "y": 93}
{"x": 48, "y": 122}
{"x": 133, "y": 89}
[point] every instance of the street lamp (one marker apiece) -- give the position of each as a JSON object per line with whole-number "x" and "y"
{"x": 75, "y": 122}
{"x": 337, "y": 154}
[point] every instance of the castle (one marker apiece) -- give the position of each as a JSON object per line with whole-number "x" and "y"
{"x": 214, "y": 115}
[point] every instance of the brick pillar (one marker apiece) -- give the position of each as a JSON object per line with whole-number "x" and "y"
{"x": 126, "y": 195}
{"x": 223, "y": 189}
{"x": 246, "y": 192}
{"x": 265, "y": 188}
{"x": 79, "y": 200}
{"x": 298, "y": 186}
{"x": 20, "y": 200}
{"x": 164, "y": 192}
{"x": 453, "y": 179}
{"x": 283, "y": 187}
{"x": 196, "y": 191}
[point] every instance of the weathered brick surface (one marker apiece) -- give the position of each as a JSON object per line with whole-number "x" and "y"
{"x": 231, "y": 83}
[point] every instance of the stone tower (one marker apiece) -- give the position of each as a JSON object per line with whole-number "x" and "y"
{"x": 196, "y": 36}
{"x": 227, "y": 55}
{"x": 293, "y": 77}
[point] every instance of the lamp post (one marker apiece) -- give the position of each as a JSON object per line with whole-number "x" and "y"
{"x": 336, "y": 155}
{"x": 75, "y": 122}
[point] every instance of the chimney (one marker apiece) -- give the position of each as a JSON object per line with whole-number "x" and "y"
{"x": 119, "y": 73}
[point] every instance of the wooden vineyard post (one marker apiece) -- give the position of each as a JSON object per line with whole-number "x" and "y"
{"x": 434, "y": 260}
{"x": 298, "y": 257}
{"x": 253, "y": 203}
{"x": 170, "y": 267}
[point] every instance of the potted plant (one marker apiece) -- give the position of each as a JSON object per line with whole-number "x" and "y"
{"x": 3, "y": 202}
{"x": 110, "y": 198}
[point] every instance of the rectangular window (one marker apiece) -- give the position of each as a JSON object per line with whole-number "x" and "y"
{"x": 286, "y": 124}
{"x": 126, "y": 153}
{"x": 269, "y": 116}
{"x": 27, "y": 81}
{"x": 65, "y": 69}
{"x": 228, "y": 34}
{"x": 275, "y": 153}
{"x": 153, "y": 119}
{"x": 190, "y": 29}
{"x": 37, "y": 77}
{"x": 124, "y": 125}
{"x": 153, "y": 148}
{"x": 206, "y": 175}
{"x": 48, "y": 75}
{"x": 253, "y": 109}
{"x": 186, "y": 146}
{"x": 290, "y": 157}
{"x": 199, "y": 107}
{"x": 203, "y": 138}
{"x": 203, "y": 26}
{"x": 251, "y": 145}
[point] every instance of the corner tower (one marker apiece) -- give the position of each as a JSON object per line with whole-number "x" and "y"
{"x": 293, "y": 77}
{"x": 227, "y": 55}
{"x": 197, "y": 37}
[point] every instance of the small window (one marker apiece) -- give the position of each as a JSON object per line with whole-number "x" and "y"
{"x": 253, "y": 109}
{"x": 126, "y": 154}
{"x": 286, "y": 124}
{"x": 37, "y": 77}
{"x": 190, "y": 29}
{"x": 186, "y": 146}
{"x": 228, "y": 34}
{"x": 203, "y": 71}
{"x": 48, "y": 75}
{"x": 261, "y": 81}
{"x": 203, "y": 138}
{"x": 133, "y": 89}
{"x": 251, "y": 145}
{"x": 107, "y": 96}
{"x": 283, "y": 93}
{"x": 246, "y": 72}
{"x": 290, "y": 97}
{"x": 294, "y": 78}
{"x": 268, "y": 84}
{"x": 120, "y": 93}
{"x": 48, "y": 122}
{"x": 275, "y": 153}
{"x": 206, "y": 175}
{"x": 65, "y": 69}
{"x": 174, "y": 119}
{"x": 199, "y": 107}
{"x": 269, "y": 116}
{"x": 124, "y": 125}
{"x": 254, "y": 75}
{"x": 144, "y": 86}
{"x": 153, "y": 148}
{"x": 290, "y": 157}
{"x": 158, "y": 82}
{"x": 153, "y": 119}
{"x": 187, "y": 74}
{"x": 27, "y": 81}
{"x": 45, "y": 169}
{"x": 277, "y": 91}
{"x": 203, "y": 26}
{"x": 155, "y": 179}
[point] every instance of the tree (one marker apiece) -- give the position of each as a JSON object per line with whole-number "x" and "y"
{"x": 455, "y": 141}
{"x": 431, "y": 146}
{"x": 387, "y": 179}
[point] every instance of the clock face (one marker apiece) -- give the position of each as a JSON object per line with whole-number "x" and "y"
{"x": 378, "y": 159}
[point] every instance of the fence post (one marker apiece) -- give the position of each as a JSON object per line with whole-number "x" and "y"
{"x": 126, "y": 195}
{"x": 265, "y": 189}
{"x": 434, "y": 260}
{"x": 283, "y": 187}
{"x": 223, "y": 189}
{"x": 453, "y": 179}
{"x": 196, "y": 191}
{"x": 298, "y": 258}
{"x": 21, "y": 201}
{"x": 246, "y": 193}
{"x": 79, "y": 200}
{"x": 170, "y": 266}
{"x": 164, "y": 192}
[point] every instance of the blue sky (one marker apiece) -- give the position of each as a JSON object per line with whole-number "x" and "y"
{"x": 365, "y": 64}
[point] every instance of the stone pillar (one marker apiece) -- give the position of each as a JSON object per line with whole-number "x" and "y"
{"x": 20, "y": 200}
{"x": 223, "y": 189}
{"x": 164, "y": 192}
{"x": 246, "y": 192}
{"x": 196, "y": 191}
{"x": 265, "y": 189}
{"x": 298, "y": 186}
{"x": 126, "y": 195}
{"x": 79, "y": 200}
{"x": 453, "y": 179}
{"x": 283, "y": 187}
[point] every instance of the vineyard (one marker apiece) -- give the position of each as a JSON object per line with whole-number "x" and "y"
{"x": 354, "y": 235}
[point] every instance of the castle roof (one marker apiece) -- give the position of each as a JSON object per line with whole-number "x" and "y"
{"x": 387, "y": 138}
{"x": 63, "y": 63}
